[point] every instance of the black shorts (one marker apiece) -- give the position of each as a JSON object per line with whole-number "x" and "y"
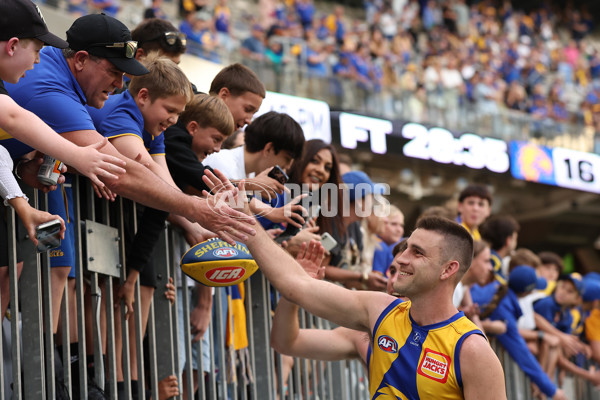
{"x": 4, "y": 210}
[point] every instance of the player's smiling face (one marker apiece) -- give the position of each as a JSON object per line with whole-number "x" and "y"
{"x": 419, "y": 265}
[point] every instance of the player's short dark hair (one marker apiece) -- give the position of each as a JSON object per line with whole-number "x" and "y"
{"x": 149, "y": 35}
{"x": 238, "y": 79}
{"x": 277, "y": 128}
{"x": 457, "y": 240}
{"x": 476, "y": 190}
{"x": 496, "y": 229}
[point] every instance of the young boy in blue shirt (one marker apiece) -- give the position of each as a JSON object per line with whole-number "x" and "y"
{"x": 134, "y": 122}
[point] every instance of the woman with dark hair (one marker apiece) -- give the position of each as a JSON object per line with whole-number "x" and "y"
{"x": 318, "y": 165}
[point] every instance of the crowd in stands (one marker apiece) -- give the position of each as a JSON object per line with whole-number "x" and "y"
{"x": 489, "y": 55}
{"x": 452, "y": 51}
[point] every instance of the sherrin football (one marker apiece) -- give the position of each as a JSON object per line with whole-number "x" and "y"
{"x": 215, "y": 262}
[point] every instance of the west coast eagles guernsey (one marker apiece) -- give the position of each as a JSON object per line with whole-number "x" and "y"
{"x": 412, "y": 362}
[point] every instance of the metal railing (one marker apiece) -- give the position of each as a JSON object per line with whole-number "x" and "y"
{"x": 28, "y": 350}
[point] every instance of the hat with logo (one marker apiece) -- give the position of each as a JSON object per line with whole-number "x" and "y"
{"x": 523, "y": 279}
{"x": 104, "y": 36}
{"x": 23, "y": 19}
{"x": 359, "y": 185}
{"x": 591, "y": 290}
{"x": 575, "y": 278}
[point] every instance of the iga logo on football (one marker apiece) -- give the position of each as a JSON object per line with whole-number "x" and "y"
{"x": 225, "y": 252}
{"x": 225, "y": 274}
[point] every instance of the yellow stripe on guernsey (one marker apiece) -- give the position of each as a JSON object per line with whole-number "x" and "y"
{"x": 4, "y": 135}
{"x": 411, "y": 362}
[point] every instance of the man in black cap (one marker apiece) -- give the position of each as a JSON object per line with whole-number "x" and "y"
{"x": 100, "y": 51}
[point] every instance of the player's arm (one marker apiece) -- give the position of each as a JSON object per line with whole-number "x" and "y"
{"x": 318, "y": 344}
{"x": 27, "y": 127}
{"x": 141, "y": 185}
{"x": 353, "y": 309}
{"x": 482, "y": 374}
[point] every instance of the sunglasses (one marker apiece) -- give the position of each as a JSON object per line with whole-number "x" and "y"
{"x": 171, "y": 38}
{"x": 129, "y": 47}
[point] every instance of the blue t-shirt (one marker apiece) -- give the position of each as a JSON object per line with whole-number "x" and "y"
{"x": 554, "y": 313}
{"x": 382, "y": 258}
{"x": 52, "y": 93}
{"x": 509, "y": 311}
{"x": 121, "y": 116}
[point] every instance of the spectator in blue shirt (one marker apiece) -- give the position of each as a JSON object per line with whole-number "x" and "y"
{"x": 391, "y": 234}
{"x": 253, "y": 46}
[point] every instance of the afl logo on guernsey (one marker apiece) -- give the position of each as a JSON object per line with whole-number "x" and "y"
{"x": 387, "y": 344}
{"x": 225, "y": 252}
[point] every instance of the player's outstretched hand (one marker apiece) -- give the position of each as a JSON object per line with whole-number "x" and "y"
{"x": 310, "y": 257}
{"x": 90, "y": 162}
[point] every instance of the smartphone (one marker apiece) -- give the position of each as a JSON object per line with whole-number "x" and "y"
{"x": 48, "y": 235}
{"x": 328, "y": 241}
{"x": 290, "y": 231}
{"x": 278, "y": 174}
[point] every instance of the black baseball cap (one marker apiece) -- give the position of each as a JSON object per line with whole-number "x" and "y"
{"x": 23, "y": 19}
{"x": 104, "y": 36}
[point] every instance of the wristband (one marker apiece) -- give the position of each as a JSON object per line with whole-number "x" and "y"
{"x": 365, "y": 277}
{"x": 540, "y": 335}
{"x": 16, "y": 170}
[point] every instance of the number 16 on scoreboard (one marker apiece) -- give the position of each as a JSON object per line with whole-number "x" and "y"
{"x": 576, "y": 169}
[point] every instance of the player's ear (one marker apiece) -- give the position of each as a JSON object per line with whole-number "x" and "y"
{"x": 449, "y": 269}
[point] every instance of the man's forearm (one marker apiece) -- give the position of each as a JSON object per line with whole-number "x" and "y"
{"x": 143, "y": 186}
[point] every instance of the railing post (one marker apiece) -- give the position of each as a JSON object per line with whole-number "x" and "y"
{"x": 32, "y": 323}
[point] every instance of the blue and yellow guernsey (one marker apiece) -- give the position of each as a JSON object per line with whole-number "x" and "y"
{"x": 412, "y": 362}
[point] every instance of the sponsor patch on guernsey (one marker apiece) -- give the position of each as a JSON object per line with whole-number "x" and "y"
{"x": 434, "y": 366}
{"x": 387, "y": 344}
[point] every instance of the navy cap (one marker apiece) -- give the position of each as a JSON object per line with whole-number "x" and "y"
{"x": 104, "y": 36}
{"x": 523, "y": 279}
{"x": 359, "y": 185}
{"x": 575, "y": 278}
{"x": 591, "y": 290}
{"x": 23, "y": 19}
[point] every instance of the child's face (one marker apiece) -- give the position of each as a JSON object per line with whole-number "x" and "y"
{"x": 393, "y": 229}
{"x": 26, "y": 53}
{"x": 548, "y": 271}
{"x": 566, "y": 294}
{"x": 242, "y": 107}
{"x": 474, "y": 210}
{"x": 481, "y": 267}
{"x": 161, "y": 113}
{"x": 206, "y": 141}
